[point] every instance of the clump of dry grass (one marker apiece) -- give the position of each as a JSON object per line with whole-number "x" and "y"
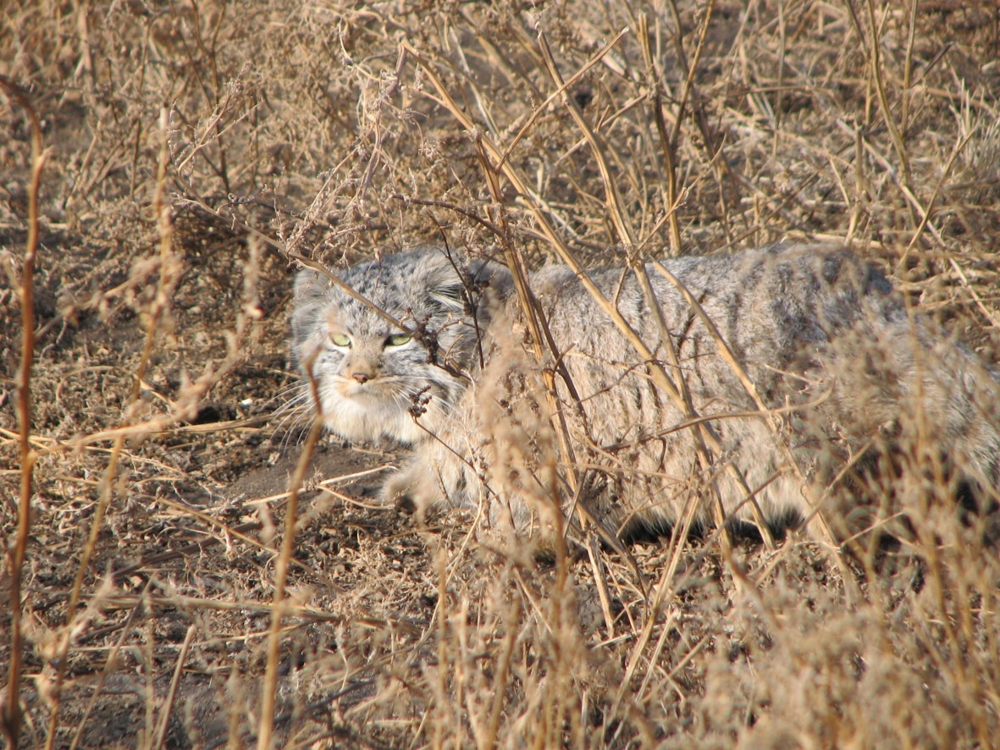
{"x": 179, "y": 589}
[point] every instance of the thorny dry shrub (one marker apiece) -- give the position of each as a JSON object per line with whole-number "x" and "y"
{"x": 334, "y": 129}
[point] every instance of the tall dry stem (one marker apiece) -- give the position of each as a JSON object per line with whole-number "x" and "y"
{"x": 10, "y": 720}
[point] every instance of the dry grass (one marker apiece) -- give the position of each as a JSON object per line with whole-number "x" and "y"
{"x": 184, "y": 585}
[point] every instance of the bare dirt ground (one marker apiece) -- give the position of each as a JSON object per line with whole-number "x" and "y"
{"x": 191, "y": 146}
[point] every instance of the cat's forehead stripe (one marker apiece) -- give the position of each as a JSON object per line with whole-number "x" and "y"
{"x": 386, "y": 286}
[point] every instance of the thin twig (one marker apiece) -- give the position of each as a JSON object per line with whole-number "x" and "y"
{"x": 170, "y": 273}
{"x": 265, "y": 726}
{"x": 168, "y": 702}
{"x": 875, "y": 59}
{"x": 10, "y": 720}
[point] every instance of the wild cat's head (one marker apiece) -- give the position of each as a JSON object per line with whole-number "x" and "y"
{"x": 371, "y": 373}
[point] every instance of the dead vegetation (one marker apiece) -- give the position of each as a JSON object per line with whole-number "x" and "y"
{"x": 166, "y": 599}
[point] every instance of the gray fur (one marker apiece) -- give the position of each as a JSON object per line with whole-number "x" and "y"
{"x": 424, "y": 292}
{"x": 821, "y": 334}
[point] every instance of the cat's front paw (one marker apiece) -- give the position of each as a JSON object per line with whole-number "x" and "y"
{"x": 413, "y": 489}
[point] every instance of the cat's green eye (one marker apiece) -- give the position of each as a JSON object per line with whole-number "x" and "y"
{"x": 340, "y": 339}
{"x": 398, "y": 339}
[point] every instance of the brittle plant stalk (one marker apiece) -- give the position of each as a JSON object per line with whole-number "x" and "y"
{"x": 169, "y": 276}
{"x": 265, "y": 726}
{"x": 10, "y": 721}
{"x": 890, "y": 123}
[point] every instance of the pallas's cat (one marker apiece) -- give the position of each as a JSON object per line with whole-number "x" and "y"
{"x": 825, "y": 383}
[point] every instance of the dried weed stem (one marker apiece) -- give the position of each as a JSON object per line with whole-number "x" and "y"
{"x": 10, "y": 716}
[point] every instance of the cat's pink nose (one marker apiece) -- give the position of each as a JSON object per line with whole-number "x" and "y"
{"x": 362, "y": 377}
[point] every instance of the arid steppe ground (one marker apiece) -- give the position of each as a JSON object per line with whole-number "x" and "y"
{"x": 190, "y": 146}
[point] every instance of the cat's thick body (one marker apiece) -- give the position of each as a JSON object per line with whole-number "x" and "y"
{"x": 846, "y": 372}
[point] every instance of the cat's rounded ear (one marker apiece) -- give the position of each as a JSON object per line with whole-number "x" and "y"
{"x": 441, "y": 276}
{"x": 449, "y": 296}
{"x": 311, "y": 299}
{"x": 452, "y": 283}
{"x": 309, "y": 284}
